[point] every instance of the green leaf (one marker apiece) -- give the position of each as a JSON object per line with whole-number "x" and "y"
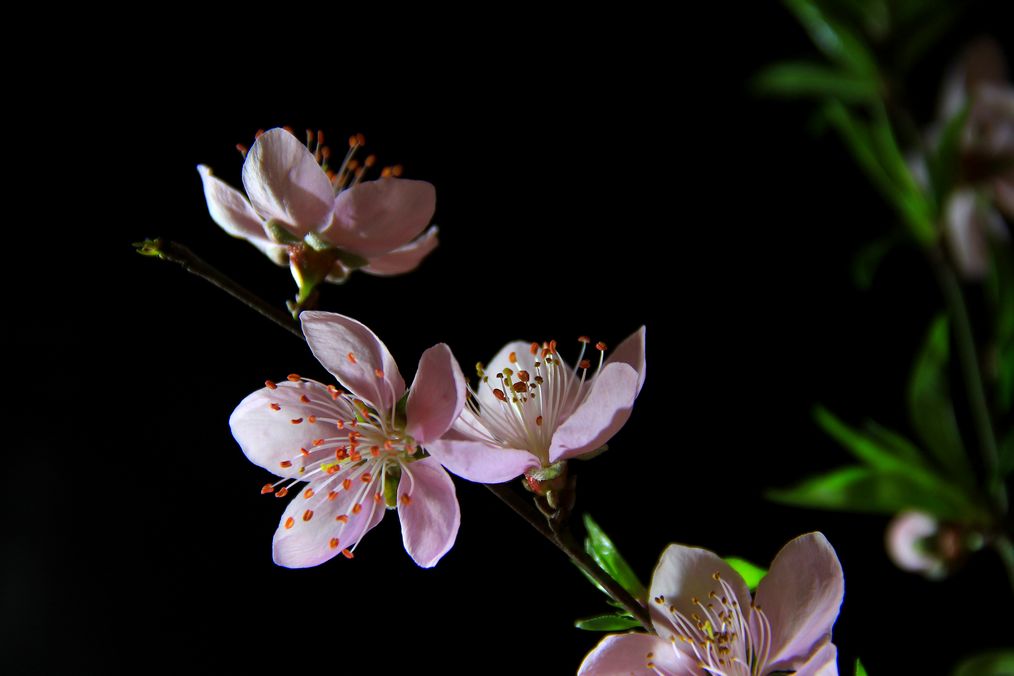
{"x": 605, "y": 554}
{"x": 860, "y": 669}
{"x": 865, "y": 490}
{"x": 607, "y": 623}
{"x": 807, "y": 79}
{"x": 752, "y": 574}
{"x": 894, "y": 442}
{"x": 944, "y": 160}
{"x": 894, "y": 457}
{"x": 930, "y": 406}
{"x": 996, "y": 663}
{"x": 832, "y": 38}
{"x": 868, "y": 259}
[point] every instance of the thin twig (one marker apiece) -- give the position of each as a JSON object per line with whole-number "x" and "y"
{"x": 564, "y": 540}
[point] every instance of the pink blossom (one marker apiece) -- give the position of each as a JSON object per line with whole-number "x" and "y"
{"x": 706, "y": 622}
{"x": 358, "y": 451}
{"x": 531, "y": 411}
{"x": 323, "y": 224}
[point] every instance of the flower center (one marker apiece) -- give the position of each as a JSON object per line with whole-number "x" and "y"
{"x": 527, "y": 399}
{"x": 359, "y": 451}
{"x": 725, "y": 639}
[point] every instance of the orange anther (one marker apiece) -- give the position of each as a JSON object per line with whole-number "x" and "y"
{"x": 289, "y": 522}
{"x": 333, "y": 469}
{"x": 405, "y": 499}
{"x": 360, "y": 139}
{"x": 513, "y": 357}
{"x": 396, "y": 170}
{"x": 351, "y": 357}
{"x": 293, "y": 377}
{"x": 274, "y": 407}
{"x": 318, "y": 442}
{"x": 305, "y": 399}
{"x": 356, "y": 508}
{"x": 308, "y": 493}
{"x": 378, "y": 498}
{"x": 538, "y": 421}
{"x": 378, "y": 373}
{"x": 281, "y": 492}
{"x": 352, "y": 165}
{"x": 600, "y": 346}
{"x": 520, "y": 387}
{"x": 304, "y": 452}
{"x": 342, "y": 518}
{"x": 332, "y": 495}
{"x": 353, "y": 142}
{"x": 366, "y": 477}
{"x": 267, "y": 488}
{"x": 388, "y": 444}
{"x": 312, "y": 419}
{"x": 270, "y": 385}
{"x": 258, "y": 134}
{"x": 370, "y": 160}
{"x": 296, "y": 421}
{"x": 552, "y": 346}
{"x": 498, "y": 393}
{"x": 523, "y": 376}
{"x": 584, "y": 339}
{"x": 375, "y": 451}
{"x": 534, "y": 349}
{"x": 347, "y": 553}
{"x": 584, "y": 364}
{"x": 241, "y": 148}
{"x": 285, "y": 464}
{"x": 289, "y": 129}
{"x": 333, "y": 544}
{"x": 347, "y": 484}
{"x": 341, "y": 453}
{"x": 355, "y": 456}
{"x": 320, "y": 137}
{"x": 385, "y": 172}
{"x": 307, "y": 515}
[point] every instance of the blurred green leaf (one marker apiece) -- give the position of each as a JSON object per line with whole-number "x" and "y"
{"x": 832, "y": 38}
{"x": 607, "y": 623}
{"x": 808, "y": 79}
{"x": 868, "y": 260}
{"x": 751, "y": 574}
{"x": 996, "y": 663}
{"x": 944, "y": 160}
{"x": 860, "y": 669}
{"x": 930, "y": 406}
{"x": 605, "y": 554}
{"x": 893, "y": 457}
{"x": 891, "y": 440}
{"x": 862, "y": 489}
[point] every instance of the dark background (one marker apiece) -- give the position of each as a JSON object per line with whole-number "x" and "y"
{"x": 588, "y": 182}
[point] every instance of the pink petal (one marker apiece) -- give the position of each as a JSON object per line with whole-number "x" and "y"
{"x": 465, "y": 453}
{"x": 355, "y": 356}
{"x": 629, "y": 654}
{"x": 823, "y": 663}
{"x": 308, "y": 543}
{"x": 269, "y": 438}
{"x": 405, "y": 258}
{"x": 437, "y": 394}
{"x": 801, "y": 595}
{"x": 231, "y": 210}
{"x": 600, "y": 415}
{"x": 1003, "y": 194}
{"x": 631, "y": 352}
{"x": 284, "y": 182}
{"x": 378, "y": 217}
{"x": 904, "y": 538}
{"x": 430, "y": 517}
{"x": 685, "y": 573}
{"x": 964, "y": 232}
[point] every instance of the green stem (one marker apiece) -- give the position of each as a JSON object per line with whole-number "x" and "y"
{"x": 177, "y": 253}
{"x": 189, "y": 261}
{"x": 974, "y": 389}
{"x": 1005, "y": 548}
{"x": 566, "y": 543}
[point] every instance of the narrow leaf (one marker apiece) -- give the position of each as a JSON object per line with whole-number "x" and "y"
{"x": 860, "y": 669}
{"x": 806, "y": 79}
{"x": 604, "y": 552}
{"x": 607, "y": 623}
{"x": 930, "y": 406}
{"x": 752, "y": 574}
{"x": 863, "y": 447}
{"x": 836, "y": 41}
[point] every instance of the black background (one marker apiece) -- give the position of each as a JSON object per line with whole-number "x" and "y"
{"x": 589, "y": 180}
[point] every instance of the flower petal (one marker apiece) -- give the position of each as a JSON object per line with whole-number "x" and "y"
{"x": 965, "y": 233}
{"x": 437, "y": 394}
{"x": 431, "y": 516}
{"x": 801, "y": 595}
{"x": 501, "y": 360}
{"x": 631, "y": 352}
{"x": 376, "y": 217}
{"x": 687, "y": 573}
{"x": 355, "y": 356}
{"x": 284, "y": 182}
{"x": 471, "y": 457}
{"x": 603, "y": 412}
{"x": 310, "y": 542}
{"x": 823, "y": 663}
{"x": 268, "y": 435}
{"x": 631, "y": 654}
{"x": 405, "y": 258}
{"x": 233, "y": 213}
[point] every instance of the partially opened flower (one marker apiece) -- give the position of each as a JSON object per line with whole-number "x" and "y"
{"x": 531, "y": 411}
{"x": 324, "y": 223}
{"x": 358, "y": 451}
{"x": 707, "y": 623}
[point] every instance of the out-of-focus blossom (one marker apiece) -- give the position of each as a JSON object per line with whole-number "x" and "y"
{"x": 358, "y": 451}
{"x": 531, "y": 411}
{"x": 918, "y": 543}
{"x": 324, "y": 223}
{"x": 706, "y": 622}
{"x": 985, "y": 182}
